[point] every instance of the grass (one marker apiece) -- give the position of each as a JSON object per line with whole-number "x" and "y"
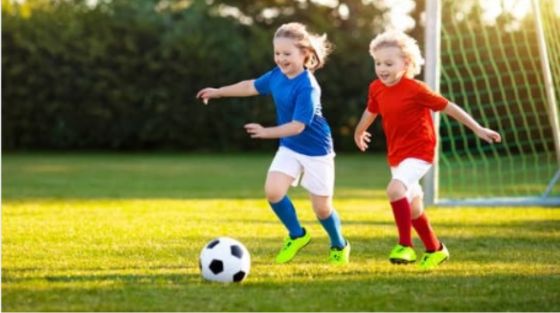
{"x": 522, "y": 175}
{"x": 122, "y": 232}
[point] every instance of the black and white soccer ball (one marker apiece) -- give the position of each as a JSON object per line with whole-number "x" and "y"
{"x": 225, "y": 260}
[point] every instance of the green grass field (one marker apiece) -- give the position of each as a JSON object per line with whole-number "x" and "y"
{"x": 122, "y": 232}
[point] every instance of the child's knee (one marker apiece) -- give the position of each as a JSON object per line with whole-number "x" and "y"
{"x": 322, "y": 207}
{"x": 396, "y": 190}
{"x": 274, "y": 195}
{"x": 323, "y": 212}
{"x": 417, "y": 207}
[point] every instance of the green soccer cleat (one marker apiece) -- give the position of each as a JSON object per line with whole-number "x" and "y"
{"x": 291, "y": 247}
{"x": 431, "y": 260}
{"x": 340, "y": 256}
{"x": 402, "y": 255}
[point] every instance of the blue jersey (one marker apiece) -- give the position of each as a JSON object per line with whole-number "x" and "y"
{"x": 298, "y": 99}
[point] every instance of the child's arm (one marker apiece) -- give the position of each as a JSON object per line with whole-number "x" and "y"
{"x": 464, "y": 118}
{"x": 361, "y": 136}
{"x": 285, "y": 130}
{"x": 244, "y": 88}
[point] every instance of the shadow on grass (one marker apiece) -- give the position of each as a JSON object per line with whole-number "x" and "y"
{"x": 370, "y": 283}
{"x": 345, "y": 291}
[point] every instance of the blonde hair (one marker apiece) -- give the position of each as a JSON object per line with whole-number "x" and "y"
{"x": 318, "y": 45}
{"x": 408, "y": 45}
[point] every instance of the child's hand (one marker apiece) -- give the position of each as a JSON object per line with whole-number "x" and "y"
{"x": 255, "y": 130}
{"x": 207, "y": 94}
{"x": 489, "y": 135}
{"x": 362, "y": 140}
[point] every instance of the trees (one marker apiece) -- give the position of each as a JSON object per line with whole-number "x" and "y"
{"x": 123, "y": 74}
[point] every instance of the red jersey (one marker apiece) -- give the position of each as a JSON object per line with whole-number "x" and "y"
{"x": 406, "y": 112}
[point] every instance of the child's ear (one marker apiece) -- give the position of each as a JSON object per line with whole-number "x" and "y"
{"x": 307, "y": 55}
{"x": 407, "y": 62}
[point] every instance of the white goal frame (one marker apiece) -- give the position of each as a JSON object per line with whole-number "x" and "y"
{"x": 432, "y": 78}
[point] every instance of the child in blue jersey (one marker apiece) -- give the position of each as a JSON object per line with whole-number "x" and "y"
{"x": 306, "y": 147}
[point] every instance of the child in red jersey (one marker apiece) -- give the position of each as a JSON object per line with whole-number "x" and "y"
{"x": 405, "y": 105}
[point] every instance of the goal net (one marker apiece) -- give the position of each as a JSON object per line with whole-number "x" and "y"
{"x": 500, "y": 61}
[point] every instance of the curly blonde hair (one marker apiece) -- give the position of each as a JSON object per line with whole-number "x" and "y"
{"x": 318, "y": 45}
{"x": 408, "y": 45}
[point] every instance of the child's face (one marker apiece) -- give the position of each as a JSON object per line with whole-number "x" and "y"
{"x": 289, "y": 58}
{"x": 390, "y": 66}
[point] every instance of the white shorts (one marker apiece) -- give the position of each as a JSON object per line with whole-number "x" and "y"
{"x": 409, "y": 172}
{"x": 316, "y": 172}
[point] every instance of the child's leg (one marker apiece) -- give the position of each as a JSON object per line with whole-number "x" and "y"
{"x": 318, "y": 179}
{"x": 277, "y": 185}
{"x": 404, "y": 184}
{"x": 404, "y": 176}
{"x": 339, "y": 253}
{"x": 396, "y": 191}
{"x": 276, "y": 188}
{"x": 327, "y": 215}
{"x": 422, "y": 225}
{"x": 436, "y": 252}
{"x": 284, "y": 171}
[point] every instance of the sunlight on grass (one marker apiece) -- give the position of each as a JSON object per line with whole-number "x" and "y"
{"x": 54, "y": 246}
{"x": 78, "y": 237}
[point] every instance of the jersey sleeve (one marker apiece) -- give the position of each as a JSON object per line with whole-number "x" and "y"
{"x": 372, "y": 105}
{"x": 306, "y": 101}
{"x": 262, "y": 84}
{"x": 431, "y": 99}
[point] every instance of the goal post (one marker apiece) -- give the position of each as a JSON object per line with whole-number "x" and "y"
{"x": 493, "y": 58}
{"x": 432, "y": 43}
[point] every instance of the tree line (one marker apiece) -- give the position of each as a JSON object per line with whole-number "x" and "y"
{"x": 124, "y": 74}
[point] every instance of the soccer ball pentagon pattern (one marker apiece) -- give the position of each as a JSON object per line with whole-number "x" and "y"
{"x": 224, "y": 260}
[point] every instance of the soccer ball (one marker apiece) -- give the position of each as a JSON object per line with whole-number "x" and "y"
{"x": 225, "y": 260}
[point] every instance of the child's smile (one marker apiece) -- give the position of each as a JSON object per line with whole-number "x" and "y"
{"x": 288, "y": 57}
{"x": 390, "y": 66}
